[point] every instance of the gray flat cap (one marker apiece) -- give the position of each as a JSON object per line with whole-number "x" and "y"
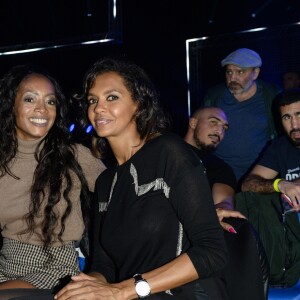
{"x": 244, "y": 58}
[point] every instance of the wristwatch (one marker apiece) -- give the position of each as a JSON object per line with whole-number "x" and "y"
{"x": 142, "y": 287}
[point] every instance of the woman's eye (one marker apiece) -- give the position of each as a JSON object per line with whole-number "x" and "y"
{"x": 52, "y": 102}
{"x": 112, "y": 97}
{"x": 28, "y": 99}
{"x": 92, "y": 101}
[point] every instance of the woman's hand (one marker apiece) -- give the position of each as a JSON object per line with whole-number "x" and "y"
{"x": 85, "y": 287}
{"x": 224, "y": 213}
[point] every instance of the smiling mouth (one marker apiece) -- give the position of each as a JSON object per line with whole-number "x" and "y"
{"x": 100, "y": 122}
{"x": 38, "y": 121}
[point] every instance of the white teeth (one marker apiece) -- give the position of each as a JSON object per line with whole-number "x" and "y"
{"x": 39, "y": 121}
{"x": 102, "y": 121}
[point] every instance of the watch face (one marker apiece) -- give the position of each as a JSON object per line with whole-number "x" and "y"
{"x": 142, "y": 288}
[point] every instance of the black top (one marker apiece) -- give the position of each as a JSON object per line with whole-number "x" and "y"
{"x": 140, "y": 204}
{"x": 217, "y": 170}
{"x": 284, "y": 157}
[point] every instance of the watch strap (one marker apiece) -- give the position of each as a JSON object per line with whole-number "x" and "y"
{"x": 138, "y": 278}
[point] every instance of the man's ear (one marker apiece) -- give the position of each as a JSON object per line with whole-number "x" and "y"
{"x": 193, "y": 123}
{"x": 256, "y": 73}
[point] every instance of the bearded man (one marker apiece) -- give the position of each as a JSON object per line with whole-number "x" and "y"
{"x": 279, "y": 168}
{"x": 247, "y": 103}
{"x": 207, "y": 128}
{"x": 271, "y": 194}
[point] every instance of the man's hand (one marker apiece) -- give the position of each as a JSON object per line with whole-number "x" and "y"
{"x": 292, "y": 190}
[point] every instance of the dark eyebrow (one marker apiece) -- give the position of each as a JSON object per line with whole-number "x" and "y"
{"x": 91, "y": 94}
{"x": 106, "y": 92}
{"x": 213, "y": 117}
{"x": 111, "y": 91}
{"x": 34, "y": 92}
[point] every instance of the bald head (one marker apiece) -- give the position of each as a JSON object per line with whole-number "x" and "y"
{"x": 207, "y": 127}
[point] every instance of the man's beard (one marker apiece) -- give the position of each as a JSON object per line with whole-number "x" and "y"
{"x": 232, "y": 87}
{"x": 207, "y": 149}
{"x": 296, "y": 141}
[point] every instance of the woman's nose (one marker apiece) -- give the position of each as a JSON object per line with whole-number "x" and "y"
{"x": 40, "y": 107}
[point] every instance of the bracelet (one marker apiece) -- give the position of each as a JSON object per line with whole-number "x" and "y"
{"x": 275, "y": 185}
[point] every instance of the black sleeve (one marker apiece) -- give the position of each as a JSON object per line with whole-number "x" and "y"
{"x": 192, "y": 200}
{"x": 100, "y": 261}
{"x": 219, "y": 171}
{"x": 271, "y": 158}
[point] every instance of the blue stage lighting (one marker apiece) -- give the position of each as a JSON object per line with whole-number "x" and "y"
{"x": 89, "y": 129}
{"x": 71, "y": 128}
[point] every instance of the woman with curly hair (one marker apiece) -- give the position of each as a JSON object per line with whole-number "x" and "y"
{"x": 156, "y": 231}
{"x": 44, "y": 178}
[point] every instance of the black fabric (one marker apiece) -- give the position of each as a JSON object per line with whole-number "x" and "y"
{"x": 197, "y": 290}
{"x": 279, "y": 234}
{"x": 282, "y": 156}
{"x": 214, "y": 287}
{"x": 26, "y": 294}
{"x": 217, "y": 170}
{"x": 247, "y": 273}
{"x": 162, "y": 183}
{"x": 84, "y": 243}
{"x": 34, "y": 297}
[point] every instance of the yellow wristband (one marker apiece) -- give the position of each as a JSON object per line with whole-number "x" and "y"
{"x": 275, "y": 185}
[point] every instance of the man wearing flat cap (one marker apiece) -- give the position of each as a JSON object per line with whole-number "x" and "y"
{"x": 247, "y": 103}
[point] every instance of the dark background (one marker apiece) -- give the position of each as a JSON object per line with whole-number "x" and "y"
{"x": 152, "y": 33}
